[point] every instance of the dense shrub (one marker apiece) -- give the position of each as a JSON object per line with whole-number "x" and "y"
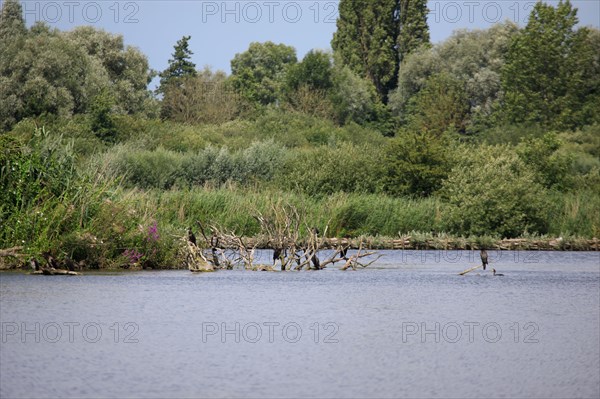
{"x": 330, "y": 169}
{"x": 492, "y": 191}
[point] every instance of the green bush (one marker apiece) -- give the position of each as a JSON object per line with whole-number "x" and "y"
{"x": 330, "y": 169}
{"x": 416, "y": 163}
{"x": 492, "y": 191}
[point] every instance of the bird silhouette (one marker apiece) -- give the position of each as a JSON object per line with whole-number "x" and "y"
{"x": 484, "y": 258}
{"x": 192, "y": 237}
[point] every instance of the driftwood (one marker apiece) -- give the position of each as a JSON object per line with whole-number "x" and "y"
{"x": 14, "y": 251}
{"x": 55, "y": 272}
{"x": 283, "y": 227}
{"x": 353, "y": 260}
{"x": 195, "y": 259}
{"x": 282, "y": 231}
{"x": 52, "y": 268}
{"x": 469, "y": 270}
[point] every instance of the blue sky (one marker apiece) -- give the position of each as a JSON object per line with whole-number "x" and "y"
{"x": 220, "y": 29}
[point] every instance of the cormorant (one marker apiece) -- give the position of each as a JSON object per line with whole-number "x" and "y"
{"x": 276, "y": 254}
{"x": 344, "y": 252}
{"x": 496, "y": 274}
{"x": 52, "y": 263}
{"x": 316, "y": 262}
{"x": 484, "y": 258}
{"x": 192, "y": 237}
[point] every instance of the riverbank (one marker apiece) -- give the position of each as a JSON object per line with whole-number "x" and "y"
{"x": 16, "y": 258}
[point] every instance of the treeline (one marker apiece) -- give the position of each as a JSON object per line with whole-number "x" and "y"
{"x": 490, "y": 133}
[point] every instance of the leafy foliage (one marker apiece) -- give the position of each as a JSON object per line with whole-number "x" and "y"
{"x": 366, "y": 39}
{"x": 492, "y": 191}
{"x": 205, "y": 98}
{"x": 259, "y": 73}
{"x": 413, "y": 30}
{"x": 551, "y": 72}
{"x": 180, "y": 65}
{"x": 416, "y": 163}
{"x": 48, "y": 72}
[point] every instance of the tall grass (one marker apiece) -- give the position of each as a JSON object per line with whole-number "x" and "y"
{"x": 575, "y": 214}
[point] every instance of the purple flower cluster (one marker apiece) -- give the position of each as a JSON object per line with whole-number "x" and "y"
{"x": 153, "y": 232}
{"x": 132, "y": 255}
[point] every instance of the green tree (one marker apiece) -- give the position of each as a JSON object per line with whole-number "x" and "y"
{"x": 413, "y": 31}
{"x": 204, "y": 98}
{"x": 124, "y": 69}
{"x": 491, "y": 191}
{"x": 258, "y": 73}
{"x": 354, "y": 98}
{"x": 12, "y": 36}
{"x": 47, "y": 71}
{"x": 416, "y": 163}
{"x": 374, "y": 36}
{"x": 440, "y": 107}
{"x": 102, "y": 122}
{"x": 314, "y": 71}
{"x": 307, "y": 86}
{"x": 180, "y": 65}
{"x": 366, "y": 40}
{"x": 12, "y": 24}
{"x": 474, "y": 58}
{"x": 544, "y": 155}
{"x": 549, "y": 68}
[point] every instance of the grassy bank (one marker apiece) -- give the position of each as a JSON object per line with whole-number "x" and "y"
{"x": 111, "y": 228}
{"x": 130, "y": 202}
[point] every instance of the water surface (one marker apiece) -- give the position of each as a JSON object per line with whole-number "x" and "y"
{"x": 407, "y": 326}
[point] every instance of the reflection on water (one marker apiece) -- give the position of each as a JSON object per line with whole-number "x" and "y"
{"x": 407, "y": 326}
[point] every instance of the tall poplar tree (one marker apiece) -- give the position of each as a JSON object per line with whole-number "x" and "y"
{"x": 413, "y": 30}
{"x": 374, "y": 35}
{"x": 366, "y": 40}
{"x": 12, "y": 37}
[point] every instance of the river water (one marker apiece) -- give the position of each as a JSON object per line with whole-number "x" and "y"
{"x": 407, "y": 326}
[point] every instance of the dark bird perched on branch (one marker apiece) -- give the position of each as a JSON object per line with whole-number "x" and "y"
{"x": 191, "y": 236}
{"x": 315, "y": 259}
{"x": 316, "y": 262}
{"x": 344, "y": 252}
{"x": 276, "y": 254}
{"x": 52, "y": 263}
{"x": 484, "y": 258}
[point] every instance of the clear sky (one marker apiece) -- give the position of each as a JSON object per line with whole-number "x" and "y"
{"x": 220, "y": 29}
